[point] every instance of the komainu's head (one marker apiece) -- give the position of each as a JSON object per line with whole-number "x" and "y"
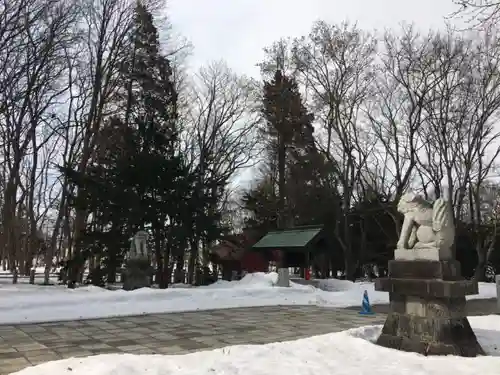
{"x": 410, "y": 202}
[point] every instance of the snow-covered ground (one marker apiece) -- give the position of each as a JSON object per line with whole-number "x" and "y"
{"x": 345, "y": 353}
{"x": 23, "y": 303}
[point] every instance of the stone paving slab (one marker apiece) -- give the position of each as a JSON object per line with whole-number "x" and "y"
{"x": 174, "y": 333}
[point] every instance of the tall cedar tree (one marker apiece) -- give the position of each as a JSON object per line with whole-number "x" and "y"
{"x": 305, "y": 193}
{"x": 179, "y": 206}
{"x": 290, "y": 133}
{"x": 138, "y": 180}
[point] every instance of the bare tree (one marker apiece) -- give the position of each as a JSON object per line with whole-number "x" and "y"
{"x": 41, "y": 188}
{"x": 480, "y": 147}
{"x": 404, "y": 81}
{"x": 222, "y": 121}
{"x": 336, "y": 65}
{"x": 95, "y": 78}
{"x": 462, "y": 108}
{"x": 445, "y": 114}
{"x": 444, "y": 99}
{"x": 31, "y": 66}
{"x": 488, "y": 194}
{"x": 220, "y": 136}
{"x": 478, "y": 13}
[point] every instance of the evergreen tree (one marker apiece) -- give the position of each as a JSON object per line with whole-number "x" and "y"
{"x": 138, "y": 180}
{"x": 158, "y": 172}
{"x": 291, "y": 143}
{"x": 262, "y": 204}
{"x": 101, "y": 193}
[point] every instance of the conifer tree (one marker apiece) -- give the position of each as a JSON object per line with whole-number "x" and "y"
{"x": 138, "y": 179}
{"x": 290, "y": 134}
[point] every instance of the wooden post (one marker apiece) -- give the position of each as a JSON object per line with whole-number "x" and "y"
{"x": 32, "y": 276}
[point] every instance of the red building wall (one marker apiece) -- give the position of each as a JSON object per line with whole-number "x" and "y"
{"x": 253, "y": 261}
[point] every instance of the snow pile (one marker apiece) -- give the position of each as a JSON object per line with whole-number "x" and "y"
{"x": 486, "y": 290}
{"x": 344, "y": 353}
{"x": 250, "y": 280}
{"x": 34, "y": 303}
{"x": 336, "y": 285}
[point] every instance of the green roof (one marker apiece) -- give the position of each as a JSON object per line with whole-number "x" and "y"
{"x": 295, "y": 237}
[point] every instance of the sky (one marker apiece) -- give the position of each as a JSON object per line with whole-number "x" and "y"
{"x": 238, "y": 30}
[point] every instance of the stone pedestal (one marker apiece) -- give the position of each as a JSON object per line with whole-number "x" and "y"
{"x": 423, "y": 254}
{"x": 428, "y": 314}
{"x": 283, "y": 277}
{"x": 137, "y": 274}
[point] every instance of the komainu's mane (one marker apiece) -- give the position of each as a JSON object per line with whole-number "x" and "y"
{"x": 441, "y": 215}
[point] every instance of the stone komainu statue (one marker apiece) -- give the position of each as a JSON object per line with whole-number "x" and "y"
{"x": 425, "y": 225}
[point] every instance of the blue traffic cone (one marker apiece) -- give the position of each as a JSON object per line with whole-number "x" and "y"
{"x": 366, "y": 308}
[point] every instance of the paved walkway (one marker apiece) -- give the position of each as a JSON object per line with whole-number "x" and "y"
{"x": 31, "y": 344}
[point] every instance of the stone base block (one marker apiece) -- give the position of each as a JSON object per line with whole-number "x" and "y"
{"x": 429, "y": 288}
{"x": 448, "y": 270}
{"x": 428, "y": 307}
{"x": 133, "y": 283}
{"x": 423, "y": 254}
{"x": 137, "y": 274}
{"x": 430, "y": 336}
{"x": 428, "y": 313}
{"x": 283, "y": 278}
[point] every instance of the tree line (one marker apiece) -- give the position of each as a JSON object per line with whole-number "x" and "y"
{"x": 105, "y": 131}
{"x": 385, "y": 113}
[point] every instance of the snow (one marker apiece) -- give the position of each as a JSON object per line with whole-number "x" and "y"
{"x": 345, "y": 353}
{"x": 24, "y": 303}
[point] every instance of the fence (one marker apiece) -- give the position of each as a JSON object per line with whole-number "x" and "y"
{"x": 33, "y": 276}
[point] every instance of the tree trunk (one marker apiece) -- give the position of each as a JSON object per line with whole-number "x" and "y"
{"x": 281, "y": 182}
{"x": 480, "y": 272}
{"x": 167, "y": 270}
{"x": 78, "y": 229}
{"x": 193, "y": 256}
{"x": 113, "y": 261}
{"x": 179, "y": 269}
{"x": 8, "y": 218}
{"x": 162, "y": 252}
{"x": 159, "y": 268}
{"x": 49, "y": 254}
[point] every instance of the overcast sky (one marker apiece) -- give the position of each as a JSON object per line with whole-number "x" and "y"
{"x": 237, "y": 30}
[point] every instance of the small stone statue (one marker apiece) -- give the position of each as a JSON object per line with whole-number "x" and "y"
{"x": 138, "y": 270}
{"x": 428, "y": 228}
{"x": 138, "y": 245}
